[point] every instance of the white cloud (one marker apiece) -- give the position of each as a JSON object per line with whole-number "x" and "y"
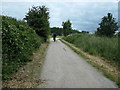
{"x": 84, "y": 15}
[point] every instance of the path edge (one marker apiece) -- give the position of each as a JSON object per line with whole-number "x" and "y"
{"x": 97, "y": 66}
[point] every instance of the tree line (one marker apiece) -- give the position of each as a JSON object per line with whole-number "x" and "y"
{"x": 38, "y": 18}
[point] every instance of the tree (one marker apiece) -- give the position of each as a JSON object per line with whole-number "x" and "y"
{"x": 60, "y": 31}
{"x": 67, "y": 27}
{"x": 85, "y": 32}
{"x": 37, "y": 17}
{"x": 57, "y": 31}
{"x": 108, "y": 26}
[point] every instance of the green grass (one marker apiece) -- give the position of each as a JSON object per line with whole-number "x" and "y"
{"x": 98, "y": 46}
{"x": 105, "y": 72}
{"x": 60, "y": 36}
{"x": 75, "y": 50}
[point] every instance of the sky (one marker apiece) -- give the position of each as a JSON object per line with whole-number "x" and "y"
{"x": 84, "y": 15}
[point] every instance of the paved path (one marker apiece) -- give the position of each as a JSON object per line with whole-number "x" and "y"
{"x": 63, "y": 68}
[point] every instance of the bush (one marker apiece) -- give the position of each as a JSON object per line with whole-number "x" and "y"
{"x": 18, "y": 43}
{"x": 99, "y": 46}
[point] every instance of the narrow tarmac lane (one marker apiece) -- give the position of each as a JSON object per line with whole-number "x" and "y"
{"x": 63, "y": 68}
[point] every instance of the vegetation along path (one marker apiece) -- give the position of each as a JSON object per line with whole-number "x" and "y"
{"x": 63, "y": 68}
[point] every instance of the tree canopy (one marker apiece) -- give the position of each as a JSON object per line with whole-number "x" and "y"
{"x": 108, "y": 26}
{"x": 60, "y": 31}
{"x": 67, "y": 27}
{"x": 38, "y": 18}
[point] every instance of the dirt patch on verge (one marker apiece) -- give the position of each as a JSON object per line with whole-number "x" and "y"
{"x": 109, "y": 69}
{"x": 28, "y": 75}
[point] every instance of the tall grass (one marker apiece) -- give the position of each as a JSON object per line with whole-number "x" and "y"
{"x": 100, "y": 46}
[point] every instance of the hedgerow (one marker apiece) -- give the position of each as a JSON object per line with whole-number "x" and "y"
{"x": 18, "y": 43}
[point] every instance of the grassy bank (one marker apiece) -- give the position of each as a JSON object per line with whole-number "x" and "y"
{"x": 82, "y": 44}
{"x": 98, "y": 46}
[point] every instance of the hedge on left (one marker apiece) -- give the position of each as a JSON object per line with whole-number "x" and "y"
{"x": 18, "y": 43}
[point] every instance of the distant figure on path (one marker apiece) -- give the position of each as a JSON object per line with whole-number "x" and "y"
{"x": 54, "y": 37}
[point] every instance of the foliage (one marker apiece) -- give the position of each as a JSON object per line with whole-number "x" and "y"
{"x": 67, "y": 27}
{"x": 60, "y": 31}
{"x": 99, "y": 46}
{"x": 108, "y": 26}
{"x": 57, "y": 31}
{"x": 85, "y": 32}
{"x": 37, "y": 17}
{"x": 18, "y": 42}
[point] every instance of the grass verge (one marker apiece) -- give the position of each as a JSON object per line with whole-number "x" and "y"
{"x": 109, "y": 70}
{"x": 28, "y": 76}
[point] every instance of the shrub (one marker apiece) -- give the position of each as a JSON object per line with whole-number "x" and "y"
{"x": 18, "y": 43}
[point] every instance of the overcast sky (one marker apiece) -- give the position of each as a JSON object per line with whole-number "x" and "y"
{"x": 83, "y": 15}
